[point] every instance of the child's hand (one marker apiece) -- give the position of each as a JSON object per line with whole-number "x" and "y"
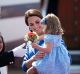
{"x": 30, "y": 36}
{"x": 34, "y": 45}
{"x": 36, "y": 41}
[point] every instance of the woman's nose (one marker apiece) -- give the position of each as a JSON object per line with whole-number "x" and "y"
{"x": 35, "y": 26}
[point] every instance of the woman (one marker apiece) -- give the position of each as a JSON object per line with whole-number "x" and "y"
{"x": 8, "y": 57}
{"x": 33, "y": 20}
{"x": 56, "y": 54}
{"x": 3, "y": 70}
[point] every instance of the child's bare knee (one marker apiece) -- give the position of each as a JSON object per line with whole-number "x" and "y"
{"x": 31, "y": 70}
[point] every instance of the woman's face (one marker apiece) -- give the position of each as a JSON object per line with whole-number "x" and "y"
{"x": 1, "y": 44}
{"x": 35, "y": 24}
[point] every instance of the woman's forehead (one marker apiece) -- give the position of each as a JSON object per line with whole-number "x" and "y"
{"x": 33, "y": 18}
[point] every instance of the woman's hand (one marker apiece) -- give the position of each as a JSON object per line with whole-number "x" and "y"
{"x": 38, "y": 55}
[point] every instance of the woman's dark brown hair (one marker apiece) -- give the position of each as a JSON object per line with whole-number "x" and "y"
{"x": 3, "y": 44}
{"x": 32, "y": 12}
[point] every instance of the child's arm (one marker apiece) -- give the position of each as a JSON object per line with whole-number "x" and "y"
{"x": 39, "y": 39}
{"x": 45, "y": 49}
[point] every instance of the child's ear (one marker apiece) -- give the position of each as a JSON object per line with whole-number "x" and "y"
{"x": 44, "y": 28}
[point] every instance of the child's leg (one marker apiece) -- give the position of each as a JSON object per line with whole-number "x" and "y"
{"x": 31, "y": 70}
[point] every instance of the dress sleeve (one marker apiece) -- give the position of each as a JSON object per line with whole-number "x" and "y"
{"x": 48, "y": 38}
{"x": 55, "y": 39}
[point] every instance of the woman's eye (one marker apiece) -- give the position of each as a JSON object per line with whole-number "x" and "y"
{"x": 31, "y": 24}
{"x": 37, "y": 22}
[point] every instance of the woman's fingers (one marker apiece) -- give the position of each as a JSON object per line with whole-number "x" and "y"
{"x": 39, "y": 55}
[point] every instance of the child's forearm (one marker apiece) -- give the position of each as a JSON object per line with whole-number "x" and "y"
{"x": 41, "y": 38}
{"x": 43, "y": 49}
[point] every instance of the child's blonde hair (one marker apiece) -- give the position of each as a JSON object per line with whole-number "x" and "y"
{"x": 53, "y": 24}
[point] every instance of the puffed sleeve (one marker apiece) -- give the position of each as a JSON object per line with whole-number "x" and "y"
{"x": 55, "y": 39}
{"x": 47, "y": 38}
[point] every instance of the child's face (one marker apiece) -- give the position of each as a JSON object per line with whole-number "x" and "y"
{"x": 44, "y": 24}
{"x": 1, "y": 44}
{"x": 44, "y": 27}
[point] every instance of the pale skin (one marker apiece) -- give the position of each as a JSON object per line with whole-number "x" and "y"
{"x": 49, "y": 45}
{"x": 46, "y": 49}
{"x": 35, "y": 25}
{"x": 1, "y": 44}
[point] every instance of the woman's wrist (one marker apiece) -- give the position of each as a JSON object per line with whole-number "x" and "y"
{"x": 28, "y": 63}
{"x": 33, "y": 58}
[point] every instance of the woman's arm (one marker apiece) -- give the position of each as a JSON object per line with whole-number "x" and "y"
{"x": 27, "y": 63}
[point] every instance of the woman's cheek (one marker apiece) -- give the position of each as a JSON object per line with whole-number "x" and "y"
{"x": 40, "y": 27}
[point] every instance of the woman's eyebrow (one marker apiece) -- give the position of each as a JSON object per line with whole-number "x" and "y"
{"x": 31, "y": 24}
